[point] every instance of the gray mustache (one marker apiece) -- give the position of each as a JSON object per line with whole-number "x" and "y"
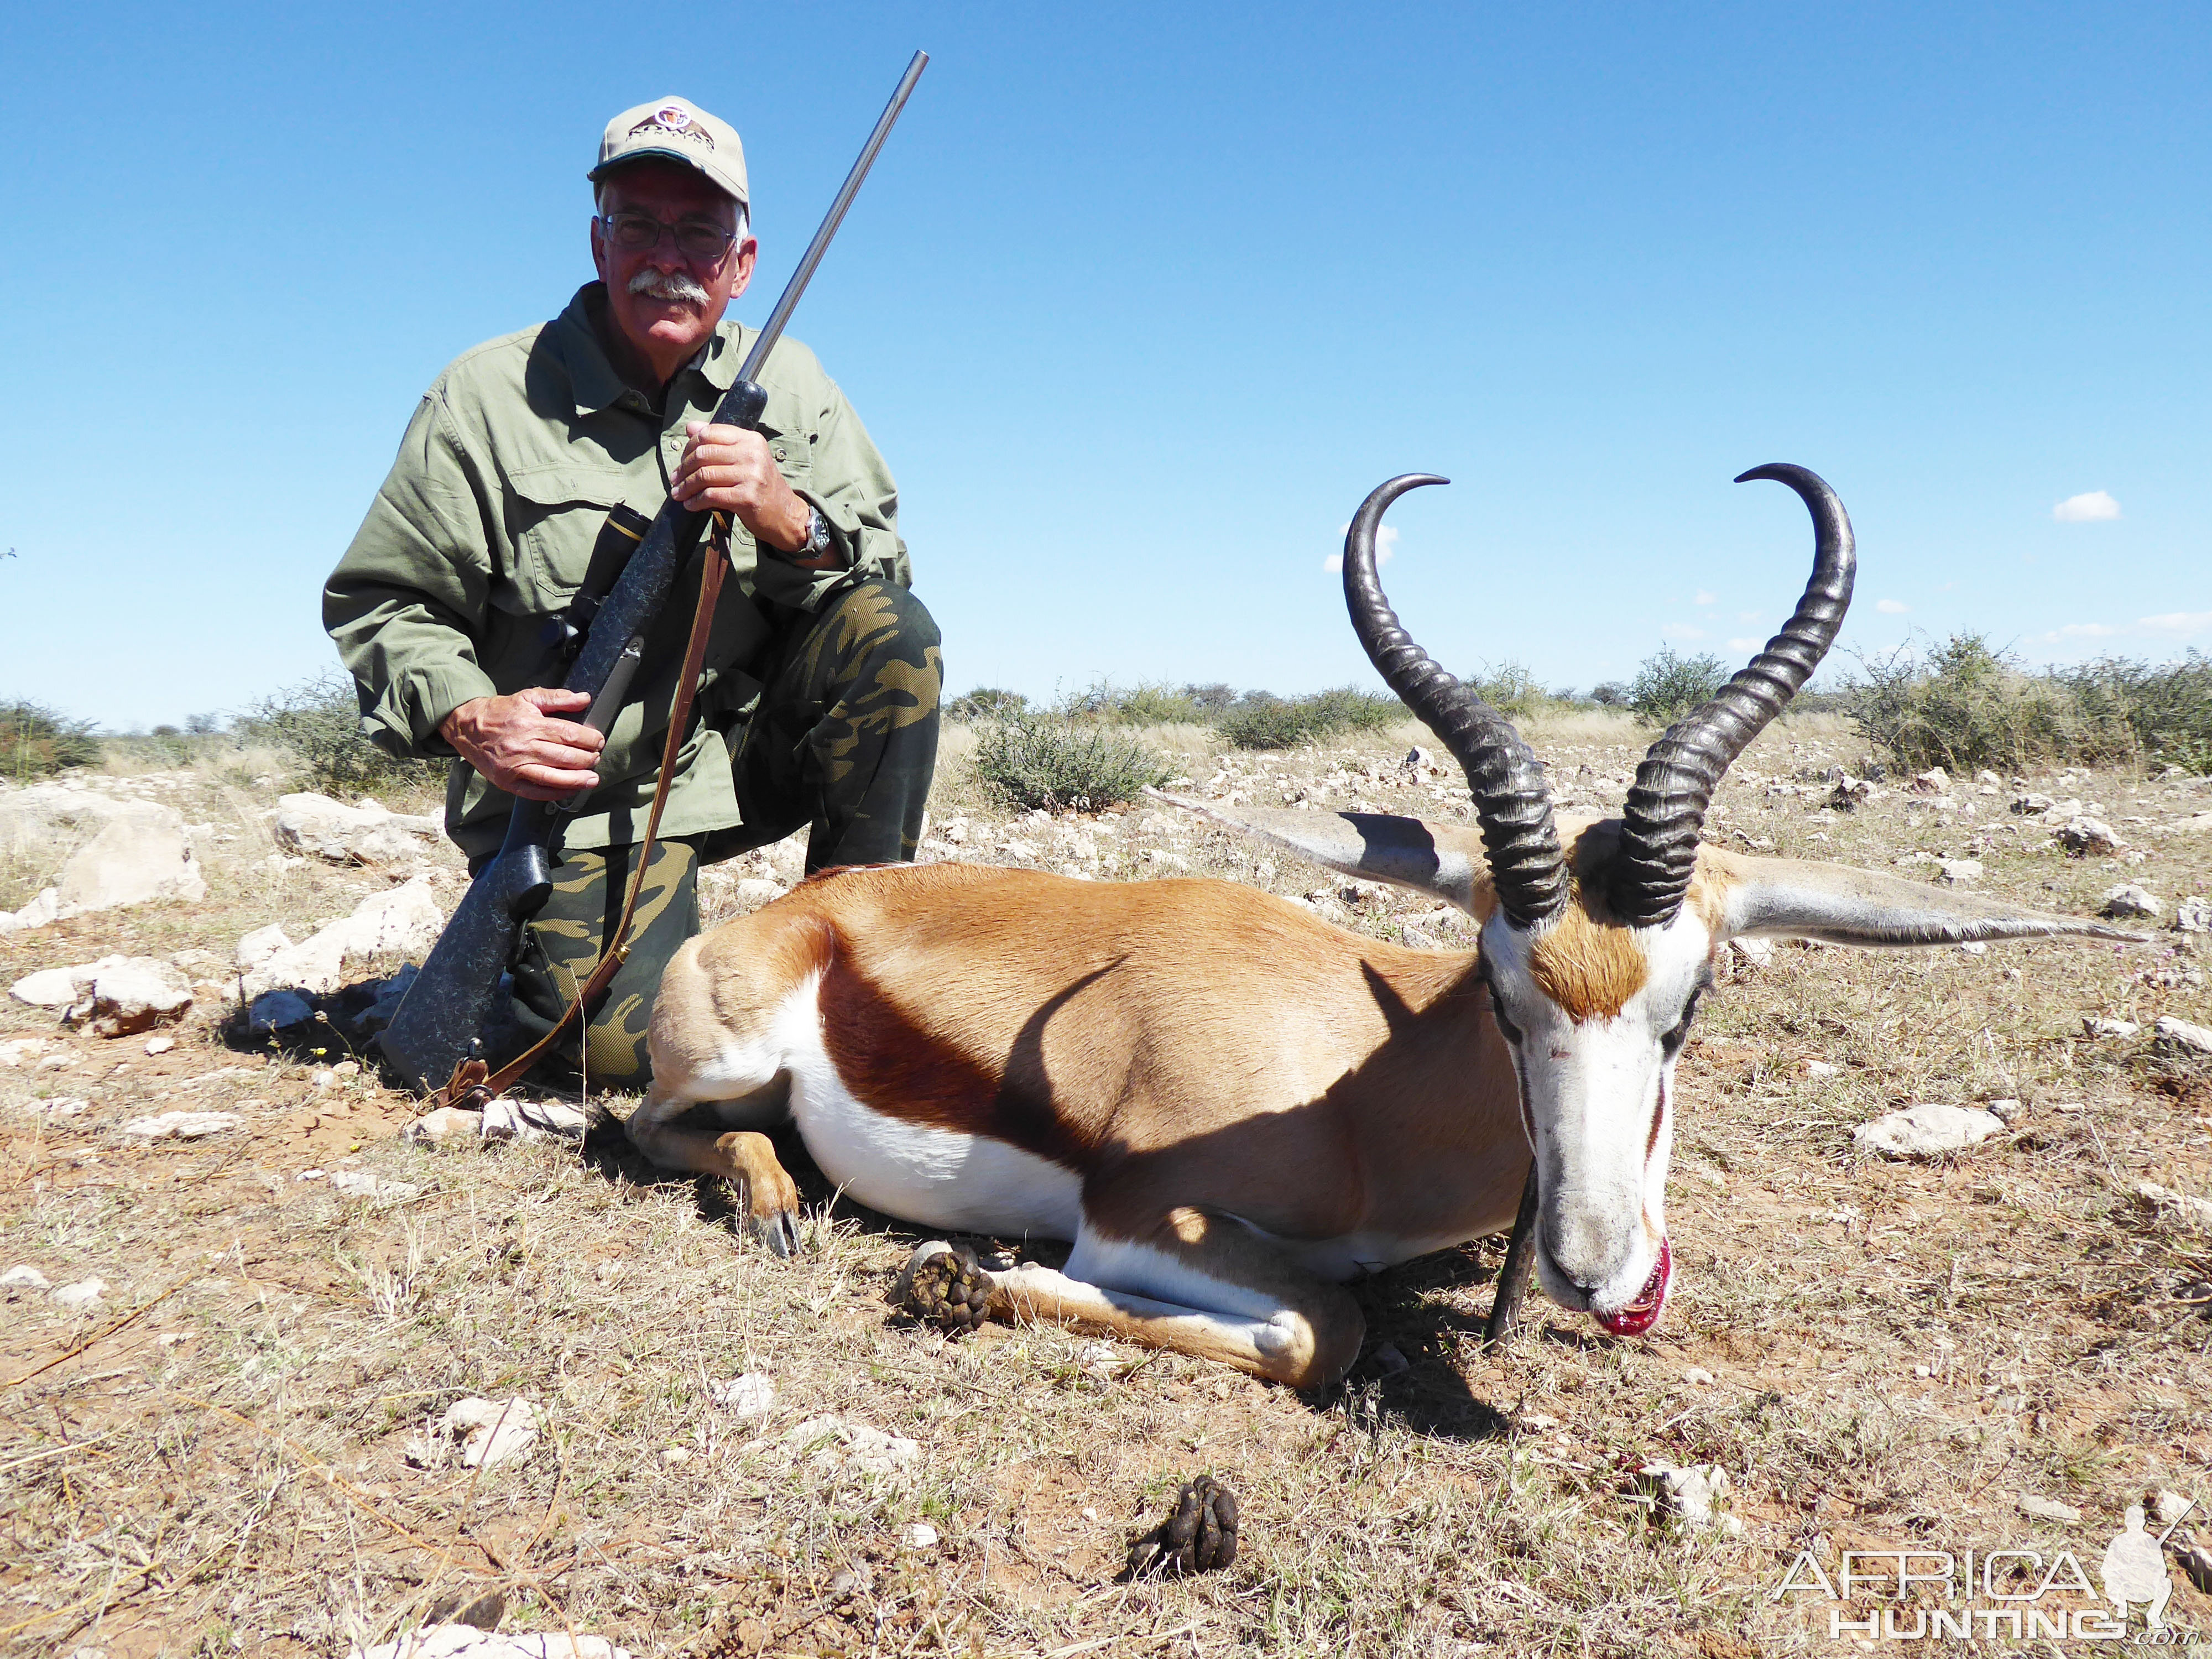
{"x": 668, "y": 285}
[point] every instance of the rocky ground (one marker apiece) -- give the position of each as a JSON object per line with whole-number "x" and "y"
{"x": 276, "y": 1378}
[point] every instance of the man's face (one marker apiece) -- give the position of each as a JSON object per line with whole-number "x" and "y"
{"x": 664, "y": 302}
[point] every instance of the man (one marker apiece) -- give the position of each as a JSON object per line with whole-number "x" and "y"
{"x": 530, "y": 470}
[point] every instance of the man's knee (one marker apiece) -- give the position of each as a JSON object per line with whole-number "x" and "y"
{"x": 876, "y": 616}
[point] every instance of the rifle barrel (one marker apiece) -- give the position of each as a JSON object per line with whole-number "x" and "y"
{"x": 772, "y": 329}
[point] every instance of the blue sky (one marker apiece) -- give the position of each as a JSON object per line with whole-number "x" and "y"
{"x": 1142, "y": 300}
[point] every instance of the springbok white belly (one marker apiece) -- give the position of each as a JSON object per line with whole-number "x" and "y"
{"x": 937, "y": 1177}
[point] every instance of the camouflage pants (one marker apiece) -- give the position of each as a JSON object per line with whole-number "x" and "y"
{"x": 843, "y": 740}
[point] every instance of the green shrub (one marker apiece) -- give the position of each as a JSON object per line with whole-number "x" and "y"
{"x": 1963, "y": 704}
{"x": 986, "y": 702}
{"x": 1032, "y": 761}
{"x": 1668, "y": 685}
{"x": 2168, "y": 708}
{"x": 1260, "y": 720}
{"x": 1512, "y": 689}
{"x": 318, "y": 723}
{"x": 36, "y": 742}
{"x": 1148, "y": 702}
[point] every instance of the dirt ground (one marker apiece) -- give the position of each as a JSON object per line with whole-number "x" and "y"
{"x": 233, "y": 1449}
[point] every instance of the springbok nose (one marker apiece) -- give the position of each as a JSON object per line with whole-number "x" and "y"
{"x": 1582, "y": 1249}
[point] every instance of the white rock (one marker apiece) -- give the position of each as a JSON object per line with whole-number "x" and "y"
{"x": 1973, "y": 947}
{"x": 1927, "y": 1130}
{"x": 61, "y": 1106}
{"x": 2047, "y": 1509}
{"x": 756, "y": 891}
{"x": 1753, "y": 952}
{"x": 853, "y": 1449}
{"x": 45, "y": 908}
{"x": 16, "y": 1050}
{"x": 130, "y": 994}
{"x": 24, "y": 1278}
{"x": 917, "y": 1535}
{"x": 82, "y": 1294}
{"x": 1819, "y": 1068}
{"x": 1018, "y": 849}
{"x": 2095, "y": 1025}
{"x": 1165, "y": 859}
{"x": 447, "y": 1123}
{"x": 749, "y": 1397}
{"x": 1958, "y": 873}
{"x": 2179, "y": 1036}
{"x": 1934, "y": 782}
{"x": 2169, "y": 1507}
{"x": 262, "y": 943}
{"x": 140, "y": 855}
{"x": 1688, "y": 1496}
{"x": 2194, "y": 916}
{"x": 2007, "y": 1110}
{"x": 2129, "y": 900}
{"x": 319, "y": 827}
{"x": 490, "y": 1432}
{"x": 183, "y": 1125}
{"x": 52, "y": 987}
{"x": 403, "y": 922}
{"x": 2085, "y": 834}
{"x": 2197, "y": 1211}
{"x": 507, "y": 1118}
{"x": 1988, "y": 779}
{"x": 160, "y": 1045}
{"x": 1698, "y": 1377}
{"x": 2033, "y": 805}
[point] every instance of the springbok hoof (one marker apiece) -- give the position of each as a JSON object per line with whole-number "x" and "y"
{"x": 1198, "y": 1535}
{"x": 946, "y": 1287}
{"x": 778, "y": 1233}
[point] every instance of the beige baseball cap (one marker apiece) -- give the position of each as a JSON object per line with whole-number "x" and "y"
{"x": 679, "y": 129}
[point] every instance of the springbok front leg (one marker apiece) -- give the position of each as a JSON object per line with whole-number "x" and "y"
{"x": 743, "y": 1157}
{"x": 1194, "y": 1284}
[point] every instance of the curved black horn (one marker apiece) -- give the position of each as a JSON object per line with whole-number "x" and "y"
{"x": 1675, "y": 783}
{"x": 1509, "y": 797}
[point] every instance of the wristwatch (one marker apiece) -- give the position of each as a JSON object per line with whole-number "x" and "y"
{"x": 817, "y": 536}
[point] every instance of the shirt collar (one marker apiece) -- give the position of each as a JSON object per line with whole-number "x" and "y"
{"x": 592, "y": 377}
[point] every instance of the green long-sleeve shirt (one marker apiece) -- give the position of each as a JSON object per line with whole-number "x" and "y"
{"x": 484, "y": 528}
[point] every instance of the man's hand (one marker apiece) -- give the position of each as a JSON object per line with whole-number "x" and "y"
{"x": 727, "y": 469}
{"x": 516, "y": 744}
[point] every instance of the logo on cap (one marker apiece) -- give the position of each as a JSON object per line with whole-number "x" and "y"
{"x": 674, "y": 118}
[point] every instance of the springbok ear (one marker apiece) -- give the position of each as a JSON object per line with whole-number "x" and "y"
{"x": 1787, "y": 898}
{"x": 1443, "y": 859}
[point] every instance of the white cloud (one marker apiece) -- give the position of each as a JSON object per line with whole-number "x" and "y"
{"x": 2178, "y": 623}
{"x": 1745, "y": 645}
{"x": 2079, "y": 631}
{"x": 1704, "y": 597}
{"x": 1680, "y": 631}
{"x": 2086, "y": 509}
{"x": 1892, "y": 607}
{"x": 1386, "y": 548}
{"x": 1746, "y": 616}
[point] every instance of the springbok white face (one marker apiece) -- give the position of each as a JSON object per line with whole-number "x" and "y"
{"x": 1595, "y": 1043}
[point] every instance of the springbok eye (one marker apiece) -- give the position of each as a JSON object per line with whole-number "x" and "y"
{"x": 1673, "y": 1042}
{"x": 1512, "y": 1032}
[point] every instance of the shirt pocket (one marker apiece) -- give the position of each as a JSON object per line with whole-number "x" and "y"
{"x": 554, "y": 514}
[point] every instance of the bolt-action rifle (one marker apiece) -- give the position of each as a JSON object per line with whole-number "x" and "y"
{"x": 440, "y": 1019}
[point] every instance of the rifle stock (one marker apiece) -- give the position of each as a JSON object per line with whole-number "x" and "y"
{"x": 439, "y": 1021}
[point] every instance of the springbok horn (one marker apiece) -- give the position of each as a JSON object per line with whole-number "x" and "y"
{"x": 1675, "y": 783}
{"x": 1526, "y": 866}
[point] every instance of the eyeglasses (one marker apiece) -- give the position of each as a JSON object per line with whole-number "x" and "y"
{"x": 696, "y": 238}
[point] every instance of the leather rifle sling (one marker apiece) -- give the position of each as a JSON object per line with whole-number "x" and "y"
{"x": 482, "y": 1087}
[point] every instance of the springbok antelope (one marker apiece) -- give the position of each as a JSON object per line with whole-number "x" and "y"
{"x": 1229, "y": 1107}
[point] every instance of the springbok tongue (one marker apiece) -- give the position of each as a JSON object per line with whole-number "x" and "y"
{"x": 1641, "y": 1314}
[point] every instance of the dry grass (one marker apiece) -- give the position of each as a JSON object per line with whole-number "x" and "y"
{"x": 1895, "y": 1352}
